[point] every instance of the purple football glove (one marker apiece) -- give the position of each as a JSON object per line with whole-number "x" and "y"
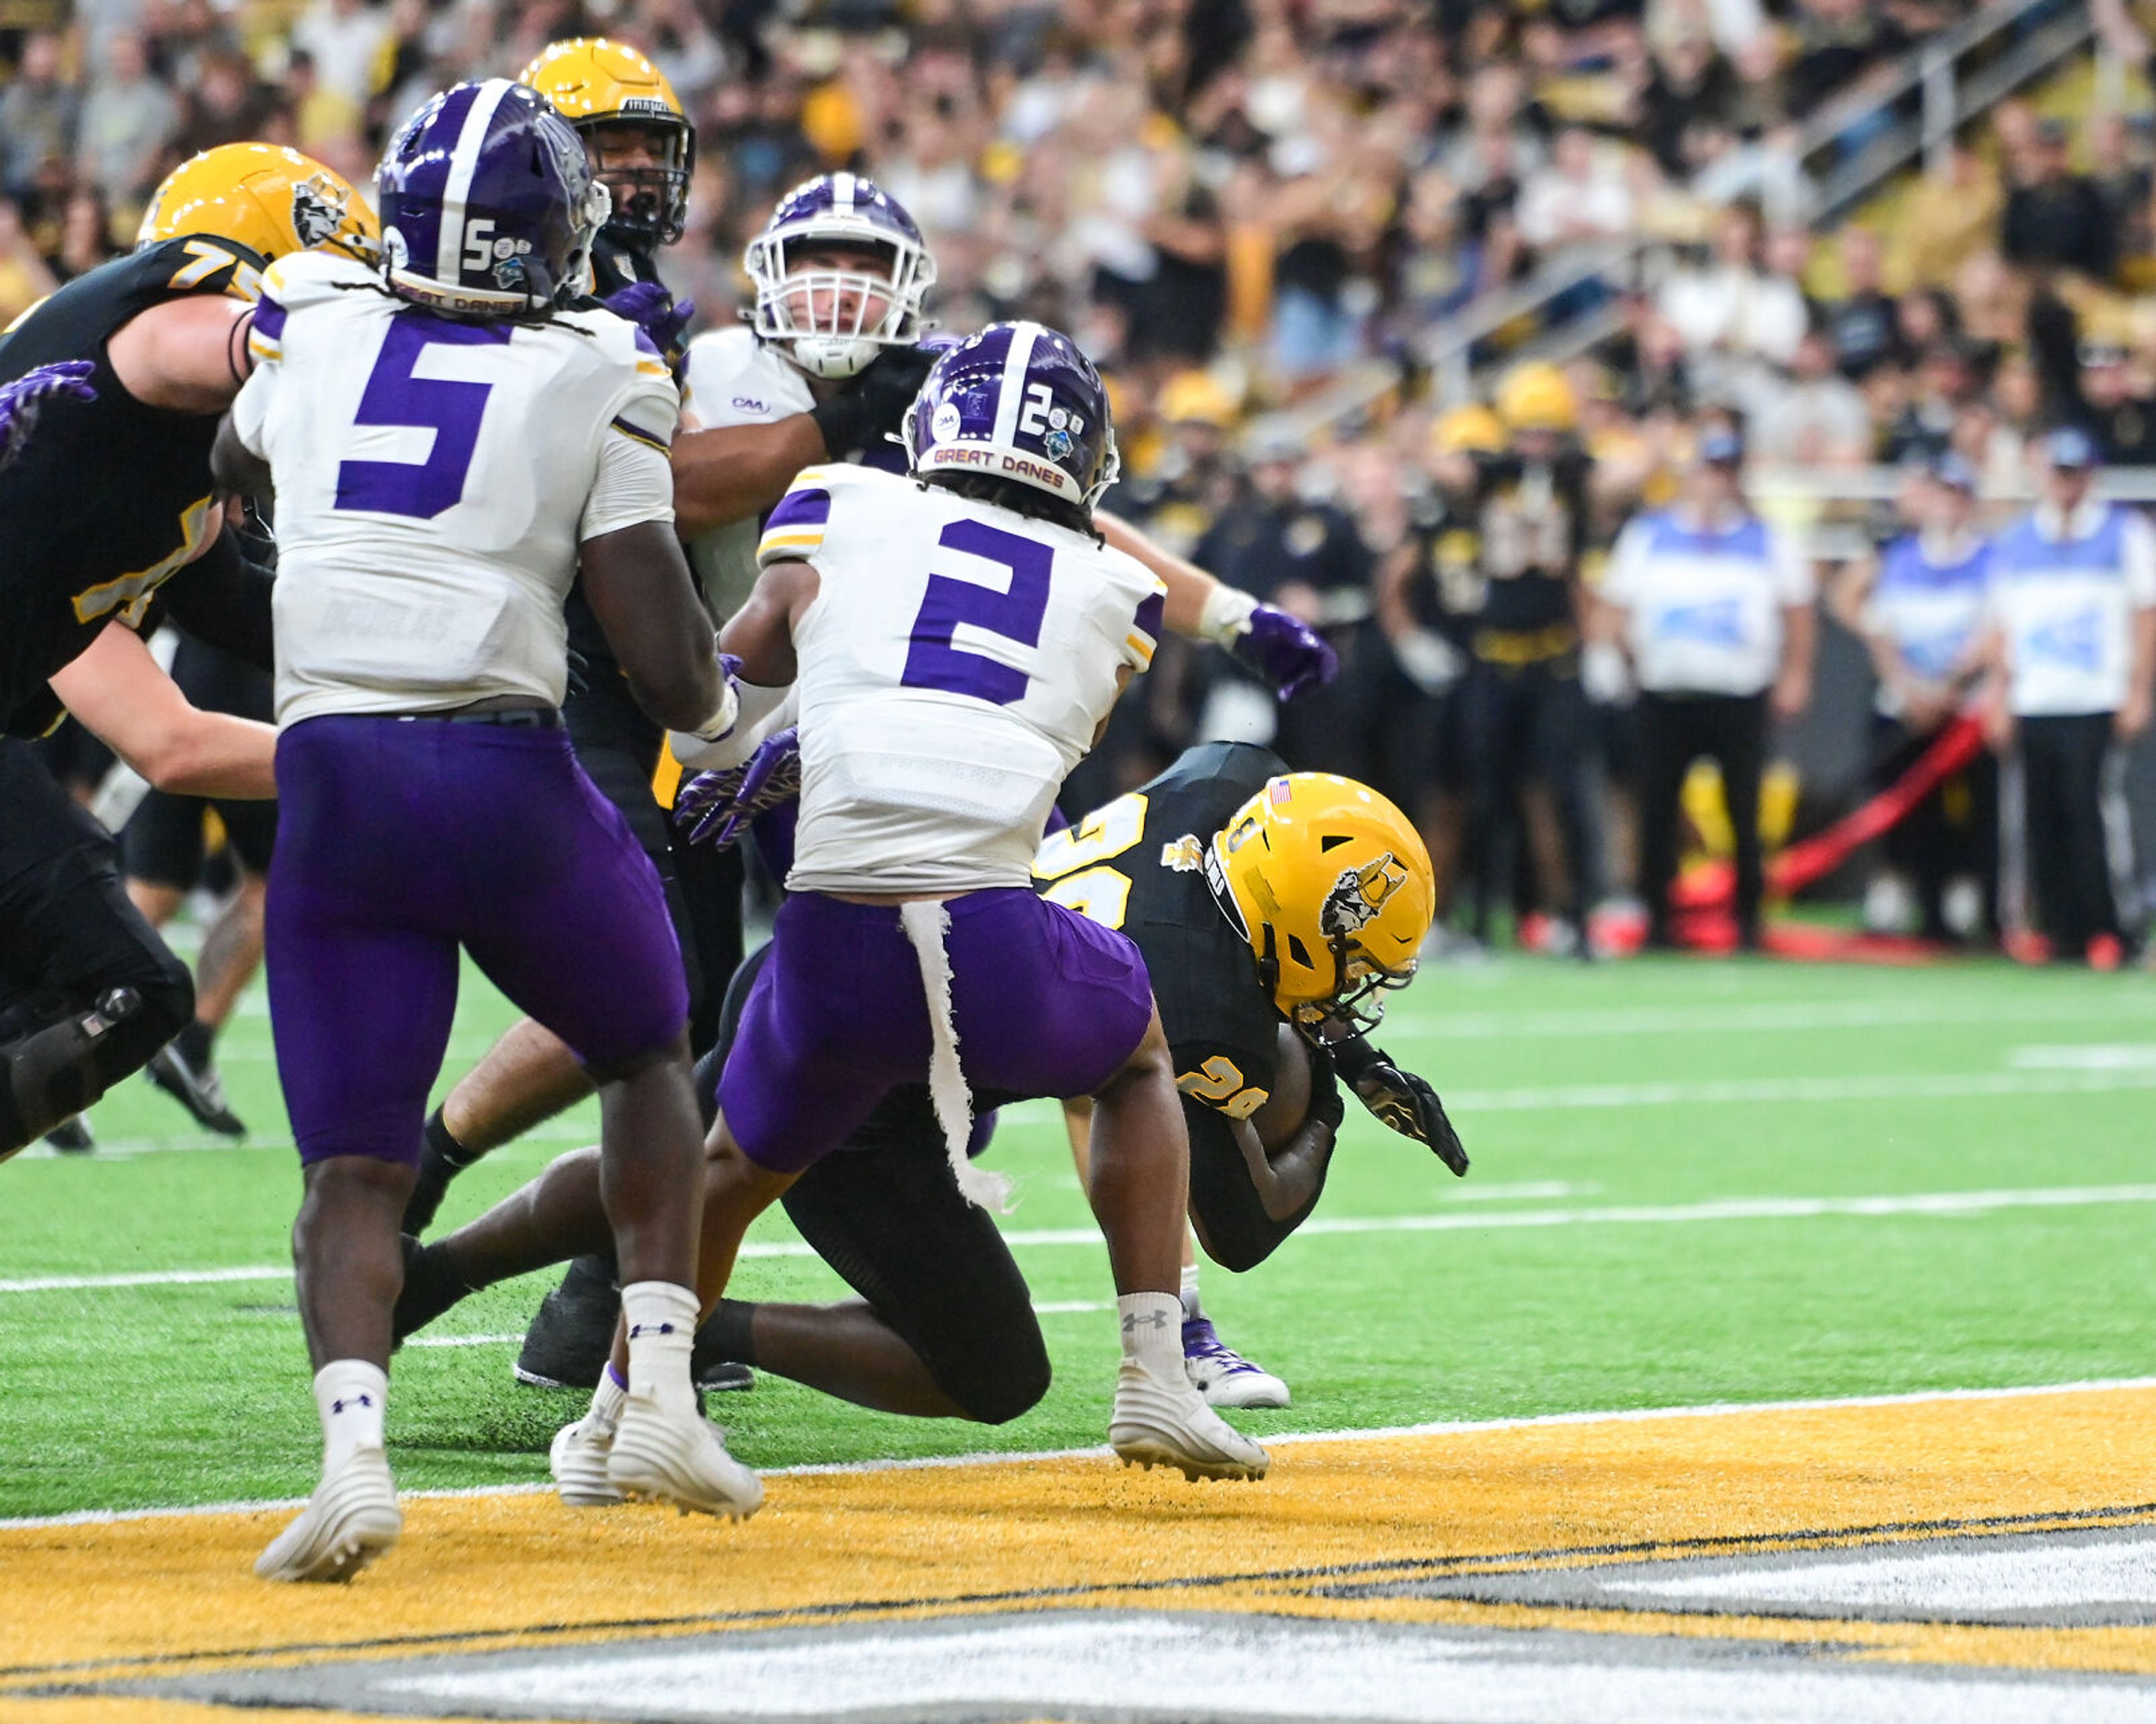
{"x": 717, "y": 807}
{"x": 1291, "y": 656}
{"x": 20, "y": 400}
{"x": 652, "y": 308}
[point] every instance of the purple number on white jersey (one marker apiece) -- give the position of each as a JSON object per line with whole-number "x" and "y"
{"x": 934, "y": 660}
{"x": 450, "y": 408}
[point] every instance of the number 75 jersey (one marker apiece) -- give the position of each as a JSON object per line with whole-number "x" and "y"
{"x": 956, "y": 663}
{"x": 435, "y": 477}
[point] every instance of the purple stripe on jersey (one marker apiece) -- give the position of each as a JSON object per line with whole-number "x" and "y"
{"x": 269, "y": 319}
{"x": 641, "y": 435}
{"x": 800, "y": 508}
{"x": 1150, "y": 611}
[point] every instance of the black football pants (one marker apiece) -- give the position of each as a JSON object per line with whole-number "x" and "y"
{"x": 69, "y": 938}
{"x": 1520, "y": 722}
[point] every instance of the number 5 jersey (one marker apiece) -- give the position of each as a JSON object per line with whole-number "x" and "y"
{"x": 435, "y": 479}
{"x": 955, "y": 665}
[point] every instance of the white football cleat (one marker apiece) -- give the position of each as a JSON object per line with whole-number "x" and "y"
{"x": 1223, "y": 1376}
{"x": 1157, "y": 1423}
{"x": 578, "y": 1461}
{"x": 351, "y": 1519}
{"x": 678, "y": 1457}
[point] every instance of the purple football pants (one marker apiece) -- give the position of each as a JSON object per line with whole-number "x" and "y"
{"x": 398, "y": 841}
{"x": 1045, "y": 1003}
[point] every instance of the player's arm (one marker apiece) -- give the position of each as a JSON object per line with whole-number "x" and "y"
{"x": 186, "y": 355}
{"x": 735, "y": 473}
{"x": 1290, "y": 655}
{"x": 761, "y": 633}
{"x": 238, "y": 470}
{"x": 124, "y": 697}
{"x": 638, "y": 586}
{"x": 224, "y": 601}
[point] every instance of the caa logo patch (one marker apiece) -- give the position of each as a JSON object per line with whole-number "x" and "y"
{"x": 944, "y": 425}
{"x": 1359, "y": 894}
{"x": 749, "y": 404}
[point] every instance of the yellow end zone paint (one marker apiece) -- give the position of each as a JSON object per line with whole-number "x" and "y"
{"x": 168, "y": 1593}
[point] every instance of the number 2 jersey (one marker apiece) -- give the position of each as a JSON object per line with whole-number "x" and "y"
{"x": 109, "y": 498}
{"x": 1138, "y": 864}
{"x": 954, "y": 665}
{"x": 435, "y": 477}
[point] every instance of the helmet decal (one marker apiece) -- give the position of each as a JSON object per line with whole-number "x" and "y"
{"x": 1359, "y": 894}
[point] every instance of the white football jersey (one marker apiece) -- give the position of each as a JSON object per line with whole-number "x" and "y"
{"x": 434, "y": 480}
{"x": 954, "y": 665}
{"x": 729, "y": 377}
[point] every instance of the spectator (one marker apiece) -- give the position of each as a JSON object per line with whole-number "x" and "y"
{"x": 1950, "y": 214}
{"x": 1838, "y": 42}
{"x": 127, "y": 120}
{"x": 1684, "y": 110}
{"x": 1580, "y": 194}
{"x": 2057, "y": 219}
{"x": 1734, "y": 318}
{"x": 1714, "y": 612}
{"x": 345, "y": 39}
{"x": 85, "y": 239}
{"x": 24, "y": 279}
{"x": 37, "y": 115}
{"x": 2073, "y": 604}
{"x": 1818, "y": 418}
{"x": 2117, "y": 409}
{"x": 1862, "y": 320}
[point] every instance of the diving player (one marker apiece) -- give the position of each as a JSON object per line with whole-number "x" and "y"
{"x": 107, "y": 511}
{"x": 449, "y": 449}
{"x": 944, "y": 1326}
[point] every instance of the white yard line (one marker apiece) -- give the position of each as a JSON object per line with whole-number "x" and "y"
{"x": 1885, "y": 1086}
{"x": 1716, "y": 1209}
{"x": 1775, "y": 1017}
{"x": 1441, "y": 1427}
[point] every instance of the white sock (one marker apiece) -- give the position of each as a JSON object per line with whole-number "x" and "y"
{"x": 1153, "y": 1331}
{"x": 662, "y": 1330}
{"x": 349, "y": 1395}
{"x": 606, "y": 1401}
{"x": 1192, "y": 1309}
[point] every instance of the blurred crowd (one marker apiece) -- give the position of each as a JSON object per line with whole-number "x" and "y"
{"x": 1236, "y": 205}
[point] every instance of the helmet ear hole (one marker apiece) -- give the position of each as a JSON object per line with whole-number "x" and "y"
{"x": 1332, "y": 839}
{"x": 1299, "y": 952}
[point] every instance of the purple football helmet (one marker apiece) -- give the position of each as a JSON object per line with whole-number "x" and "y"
{"x": 804, "y": 310}
{"x": 488, "y": 204}
{"x": 1017, "y": 401}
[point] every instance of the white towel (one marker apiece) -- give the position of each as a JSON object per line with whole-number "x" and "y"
{"x": 925, "y": 923}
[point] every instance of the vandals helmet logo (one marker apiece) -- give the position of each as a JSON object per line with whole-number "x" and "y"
{"x": 318, "y": 209}
{"x": 1359, "y": 894}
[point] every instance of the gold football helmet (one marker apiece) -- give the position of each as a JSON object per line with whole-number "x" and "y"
{"x": 1332, "y": 886}
{"x": 1537, "y": 397}
{"x": 268, "y": 198}
{"x": 597, "y": 83}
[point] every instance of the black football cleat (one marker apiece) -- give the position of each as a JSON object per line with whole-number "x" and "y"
{"x": 72, "y": 1136}
{"x": 429, "y": 1289}
{"x": 715, "y": 1375}
{"x": 196, "y": 1088}
{"x": 572, "y": 1333}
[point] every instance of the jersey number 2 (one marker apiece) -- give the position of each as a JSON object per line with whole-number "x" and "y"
{"x": 450, "y": 408}
{"x": 934, "y": 660}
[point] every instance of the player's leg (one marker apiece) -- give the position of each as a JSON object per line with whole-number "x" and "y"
{"x": 1563, "y": 748}
{"x": 89, "y": 990}
{"x": 578, "y": 937}
{"x": 1665, "y": 755}
{"x": 1739, "y": 747}
{"x": 1045, "y": 1002}
{"x": 944, "y": 1326}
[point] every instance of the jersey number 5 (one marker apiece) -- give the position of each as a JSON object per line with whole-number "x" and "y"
{"x": 934, "y": 660}
{"x": 449, "y": 407}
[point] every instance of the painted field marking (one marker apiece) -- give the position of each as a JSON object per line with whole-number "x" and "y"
{"x": 1942, "y": 1086}
{"x": 2085, "y": 1057}
{"x": 1716, "y": 1209}
{"x": 1439, "y": 1428}
{"x": 1774, "y": 1018}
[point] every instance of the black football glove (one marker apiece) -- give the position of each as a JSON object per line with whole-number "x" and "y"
{"x": 1399, "y": 1100}
{"x": 874, "y": 402}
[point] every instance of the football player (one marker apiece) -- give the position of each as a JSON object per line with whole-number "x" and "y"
{"x": 107, "y": 509}
{"x": 841, "y": 272}
{"x": 1220, "y": 870}
{"x": 422, "y": 647}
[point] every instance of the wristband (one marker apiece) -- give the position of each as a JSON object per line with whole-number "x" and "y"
{"x": 1226, "y": 617}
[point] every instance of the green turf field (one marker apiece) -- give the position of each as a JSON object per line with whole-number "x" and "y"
{"x": 1621, "y": 1241}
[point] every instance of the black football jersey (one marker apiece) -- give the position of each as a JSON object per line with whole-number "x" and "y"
{"x": 1531, "y": 518}
{"x": 109, "y": 498}
{"x": 1139, "y": 865}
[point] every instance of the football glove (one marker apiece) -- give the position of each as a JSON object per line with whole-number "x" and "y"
{"x": 717, "y": 807}
{"x": 1292, "y": 657}
{"x": 651, "y": 306}
{"x": 873, "y": 404}
{"x": 1399, "y": 1100}
{"x": 20, "y": 398}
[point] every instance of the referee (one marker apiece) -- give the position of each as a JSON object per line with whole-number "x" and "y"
{"x": 1715, "y": 613}
{"x": 2073, "y": 598}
